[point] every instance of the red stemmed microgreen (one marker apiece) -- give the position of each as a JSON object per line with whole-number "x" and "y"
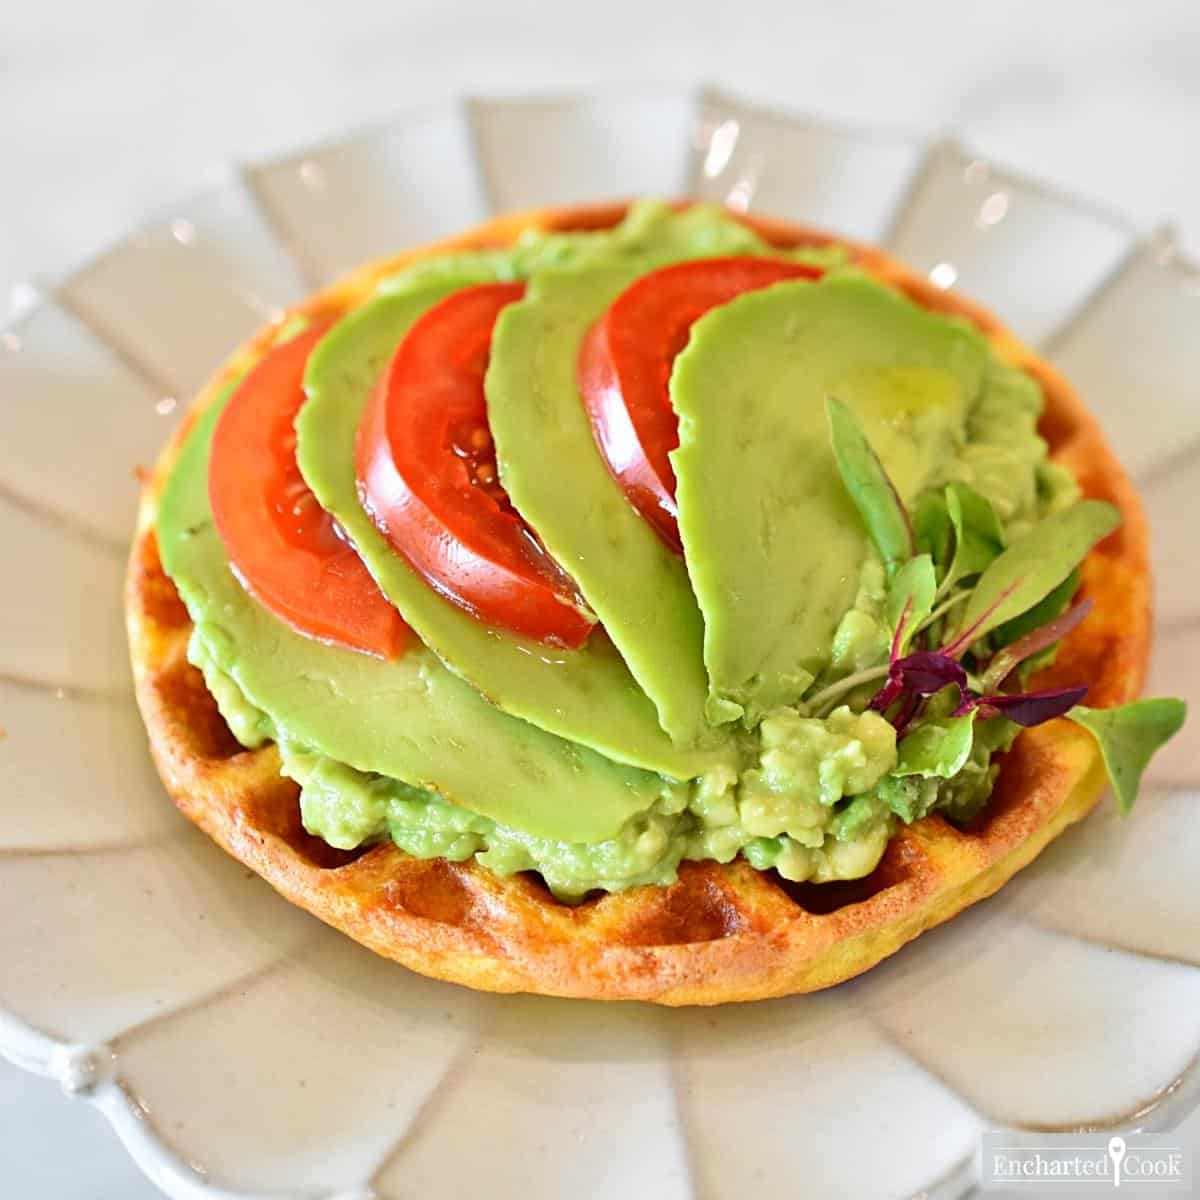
{"x": 1011, "y": 582}
{"x": 1024, "y": 708}
{"x": 922, "y": 674}
{"x": 1033, "y": 567}
{"x": 1005, "y": 661}
{"x": 961, "y": 642}
{"x": 1000, "y": 585}
{"x": 913, "y": 678}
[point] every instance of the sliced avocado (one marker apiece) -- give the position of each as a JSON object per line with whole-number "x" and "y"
{"x": 409, "y": 719}
{"x": 587, "y": 695}
{"x": 773, "y": 543}
{"x": 651, "y": 231}
{"x": 557, "y": 480}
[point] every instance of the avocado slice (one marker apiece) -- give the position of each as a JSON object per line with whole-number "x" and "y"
{"x": 773, "y": 544}
{"x": 557, "y": 480}
{"x": 651, "y": 231}
{"x": 410, "y": 719}
{"x": 586, "y": 695}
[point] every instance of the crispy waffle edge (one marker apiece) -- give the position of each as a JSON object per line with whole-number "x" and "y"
{"x": 721, "y": 933}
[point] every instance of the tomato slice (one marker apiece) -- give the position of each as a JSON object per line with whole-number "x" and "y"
{"x": 282, "y": 545}
{"x": 427, "y": 475}
{"x": 625, "y": 368}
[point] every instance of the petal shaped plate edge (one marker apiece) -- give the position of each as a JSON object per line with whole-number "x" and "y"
{"x": 742, "y": 154}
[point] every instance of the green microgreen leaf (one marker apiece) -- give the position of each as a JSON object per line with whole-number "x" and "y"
{"x": 934, "y": 531}
{"x": 1045, "y": 610}
{"x": 1128, "y": 737}
{"x": 937, "y": 748}
{"x": 1027, "y": 571}
{"x": 868, "y": 485}
{"x": 978, "y": 535}
{"x": 909, "y": 601}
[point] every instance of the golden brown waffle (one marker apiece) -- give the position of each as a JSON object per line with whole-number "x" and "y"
{"x": 721, "y": 933}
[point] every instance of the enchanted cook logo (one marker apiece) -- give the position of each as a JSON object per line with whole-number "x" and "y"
{"x": 1131, "y": 1162}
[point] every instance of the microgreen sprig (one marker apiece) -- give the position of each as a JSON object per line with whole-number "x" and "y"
{"x": 958, "y": 536}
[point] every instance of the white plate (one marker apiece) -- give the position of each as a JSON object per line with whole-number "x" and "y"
{"x": 241, "y": 1049}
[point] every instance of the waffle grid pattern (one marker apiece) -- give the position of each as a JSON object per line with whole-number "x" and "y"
{"x": 721, "y": 933}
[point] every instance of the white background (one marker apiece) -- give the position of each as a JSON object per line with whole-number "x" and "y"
{"x": 110, "y": 110}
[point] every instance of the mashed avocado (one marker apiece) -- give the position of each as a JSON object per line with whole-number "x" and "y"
{"x": 409, "y": 750}
{"x": 807, "y": 769}
{"x": 786, "y": 812}
{"x": 818, "y": 805}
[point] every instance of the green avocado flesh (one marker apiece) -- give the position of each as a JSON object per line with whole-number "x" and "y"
{"x": 586, "y": 695}
{"x": 604, "y": 768}
{"x": 772, "y": 541}
{"x": 636, "y": 586}
{"x": 410, "y": 720}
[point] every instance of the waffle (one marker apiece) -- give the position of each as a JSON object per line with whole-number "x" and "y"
{"x": 720, "y": 933}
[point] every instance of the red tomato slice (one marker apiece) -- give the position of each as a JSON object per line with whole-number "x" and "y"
{"x": 282, "y": 545}
{"x": 427, "y": 475}
{"x": 625, "y": 366}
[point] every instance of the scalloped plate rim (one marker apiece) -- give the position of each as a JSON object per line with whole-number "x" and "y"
{"x": 72, "y": 1065}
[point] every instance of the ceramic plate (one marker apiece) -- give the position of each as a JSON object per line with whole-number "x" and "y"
{"x": 241, "y": 1049}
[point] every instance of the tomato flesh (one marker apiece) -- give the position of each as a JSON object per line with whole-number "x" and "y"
{"x": 625, "y": 368}
{"x": 282, "y": 545}
{"x": 427, "y": 475}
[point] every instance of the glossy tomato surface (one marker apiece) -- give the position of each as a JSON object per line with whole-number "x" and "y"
{"x": 427, "y": 475}
{"x": 625, "y": 369}
{"x": 286, "y": 550}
